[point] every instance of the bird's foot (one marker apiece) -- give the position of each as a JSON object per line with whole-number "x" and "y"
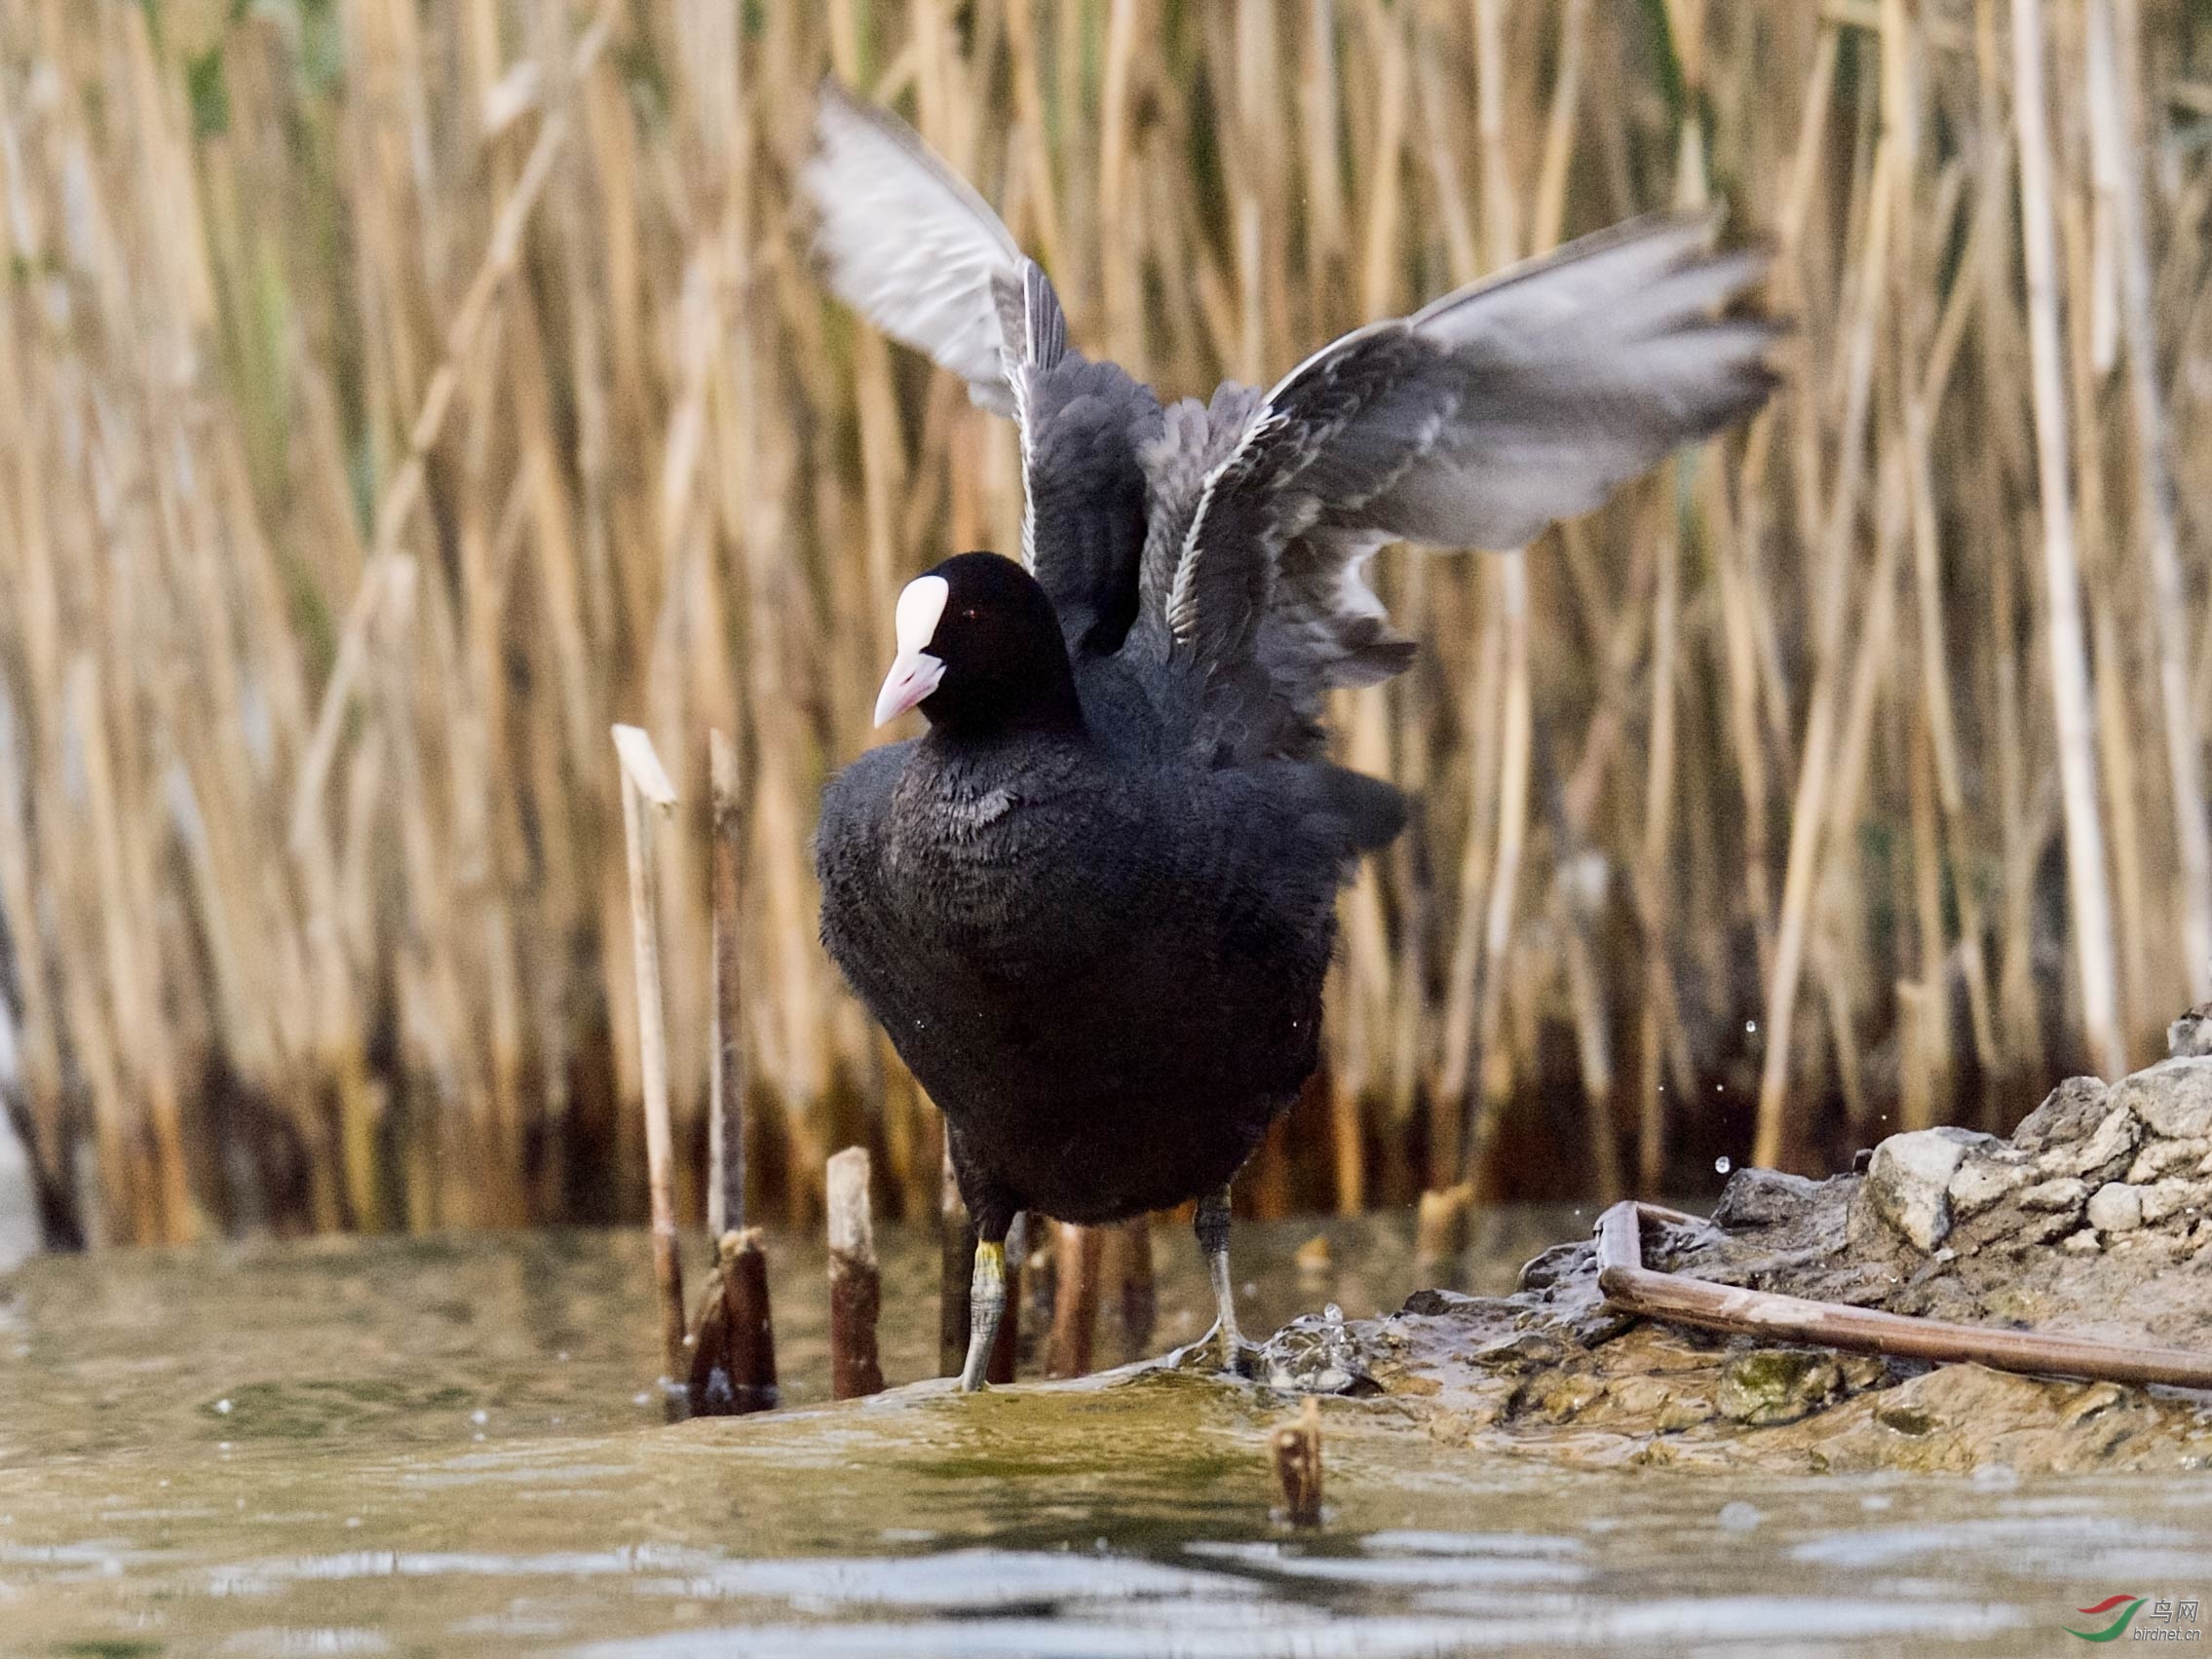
{"x": 1224, "y": 1353}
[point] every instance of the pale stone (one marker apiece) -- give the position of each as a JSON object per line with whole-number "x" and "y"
{"x": 2173, "y": 1097}
{"x": 2116, "y": 1207}
{"x": 2083, "y": 1243}
{"x": 1981, "y": 1183}
{"x": 2064, "y": 1194}
{"x": 2164, "y": 1198}
{"x": 2160, "y": 1157}
{"x": 2191, "y": 1033}
{"x": 1907, "y": 1180}
{"x": 2066, "y": 1114}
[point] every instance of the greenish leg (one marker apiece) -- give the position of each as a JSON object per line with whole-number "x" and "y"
{"x": 986, "y": 1301}
{"x": 1211, "y": 1224}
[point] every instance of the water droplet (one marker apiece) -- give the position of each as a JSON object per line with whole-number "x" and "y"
{"x": 1333, "y": 1314}
{"x": 1722, "y": 1166}
{"x": 479, "y": 1416}
{"x": 1751, "y": 1025}
{"x": 222, "y": 1408}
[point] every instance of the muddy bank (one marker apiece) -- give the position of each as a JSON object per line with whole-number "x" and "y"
{"x": 2093, "y": 1220}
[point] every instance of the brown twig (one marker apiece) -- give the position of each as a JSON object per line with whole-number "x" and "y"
{"x": 1631, "y": 1287}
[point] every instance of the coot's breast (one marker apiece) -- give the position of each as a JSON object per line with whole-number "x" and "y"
{"x": 1118, "y": 1092}
{"x": 1106, "y": 1028}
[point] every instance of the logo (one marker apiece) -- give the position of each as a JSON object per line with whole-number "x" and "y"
{"x": 2163, "y": 1622}
{"x": 2119, "y": 1627}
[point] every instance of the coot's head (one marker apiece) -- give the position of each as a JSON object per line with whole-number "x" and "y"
{"x": 979, "y": 652}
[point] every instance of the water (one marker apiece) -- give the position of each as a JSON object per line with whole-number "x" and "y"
{"x": 435, "y": 1448}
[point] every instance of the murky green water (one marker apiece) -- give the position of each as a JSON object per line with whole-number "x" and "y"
{"x": 449, "y": 1447}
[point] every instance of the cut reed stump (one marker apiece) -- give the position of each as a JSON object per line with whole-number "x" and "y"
{"x": 645, "y": 785}
{"x": 856, "y": 1283}
{"x": 733, "y": 1349}
{"x": 1296, "y": 1451}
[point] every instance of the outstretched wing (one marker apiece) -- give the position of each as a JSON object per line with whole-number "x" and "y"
{"x": 1476, "y": 422}
{"x": 908, "y": 244}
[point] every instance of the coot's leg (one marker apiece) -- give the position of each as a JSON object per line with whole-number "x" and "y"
{"x": 986, "y": 1301}
{"x": 1211, "y": 1224}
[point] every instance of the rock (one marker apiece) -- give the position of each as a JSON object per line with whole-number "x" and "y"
{"x": 2111, "y": 1141}
{"x": 1981, "y": 1182}
{"x": 2191, "y": 1033}
{"x": 2058, "y": 1197}
{"x": 2174, "y": 1098}
{"x": 2165, "y": 1198}
{"x": 2116, "y": 1207}
{"x": 2068, "y": 1113}
{"x": 2161, "y": 1157}
{"x": 1316, "y": 1354}
{"x": 1760, "y": 1198}
{"x": 1777, "y": 1386}
{"x": 1907, "y": 1183}
{"x": 2095, "y": 1221}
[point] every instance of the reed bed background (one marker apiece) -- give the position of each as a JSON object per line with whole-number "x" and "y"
{"x": 399, "y": 392}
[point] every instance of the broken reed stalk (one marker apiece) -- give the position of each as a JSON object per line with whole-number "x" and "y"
{"x": 571, "y": 357}
{"x": 1075, "y": 1302}
{"x": 2089, "y": 906}
{"x": 2116, "y": 129}
{"x": 733, "y": 1349}
{"x": 856, "y": 1282}
{"x": 1295, "y": 1451}
{"x": 1631, "y": 1287}
{"x": 726, "y": 1096}
{"x": 647, "y": 798}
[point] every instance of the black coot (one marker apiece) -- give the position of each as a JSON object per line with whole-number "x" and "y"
{"x": 1094, "y": 905}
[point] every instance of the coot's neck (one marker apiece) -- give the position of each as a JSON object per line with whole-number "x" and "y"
{"x": 1036, "y": 698}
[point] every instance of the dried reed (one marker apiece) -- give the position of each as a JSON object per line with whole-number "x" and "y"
{"x": 399, "y": 390}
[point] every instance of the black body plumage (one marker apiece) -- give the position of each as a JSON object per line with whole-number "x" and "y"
{"x": 1094, "y": 906}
